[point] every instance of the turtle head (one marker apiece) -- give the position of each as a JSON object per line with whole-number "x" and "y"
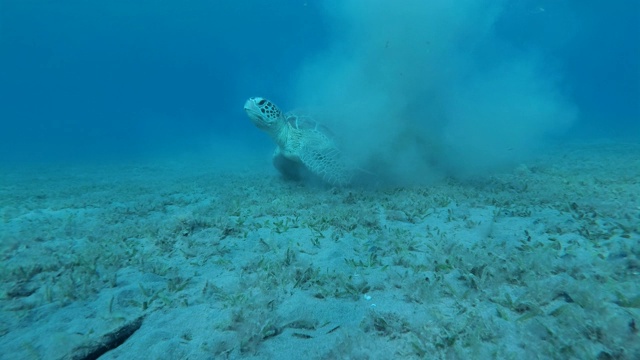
{"x": 264, "y": 114}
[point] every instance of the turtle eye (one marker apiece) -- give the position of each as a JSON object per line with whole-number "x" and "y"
{"x": 261, "y": 102}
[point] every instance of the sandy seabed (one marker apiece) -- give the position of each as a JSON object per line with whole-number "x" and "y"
{"x": 176, "y": 260}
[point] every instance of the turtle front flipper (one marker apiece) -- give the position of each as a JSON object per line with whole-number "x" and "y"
{"x": 328, "y": 164}
{"x": 290, "y": 170}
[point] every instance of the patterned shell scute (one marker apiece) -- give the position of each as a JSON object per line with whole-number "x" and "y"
{"x": 306, "y": 122}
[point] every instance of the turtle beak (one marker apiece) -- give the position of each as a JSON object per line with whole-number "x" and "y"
{"x": 253, "y": 111}
{"x": 247, "y": 104}
{"x": 250, "y": 106}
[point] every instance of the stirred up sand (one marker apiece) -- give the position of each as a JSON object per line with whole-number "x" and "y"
{"x": 180, "y": 261}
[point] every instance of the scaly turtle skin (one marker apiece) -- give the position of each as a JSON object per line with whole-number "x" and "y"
{"x": 303, "y": 145}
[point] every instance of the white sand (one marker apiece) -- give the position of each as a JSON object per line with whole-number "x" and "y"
{"x": 541, "y": 262}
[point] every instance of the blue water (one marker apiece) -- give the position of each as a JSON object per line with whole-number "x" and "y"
{"x": 118, "y": 79}
{"x": 416, "y": 90}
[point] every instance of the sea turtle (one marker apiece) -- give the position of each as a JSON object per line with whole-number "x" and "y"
{"x": 303, "y": 146}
